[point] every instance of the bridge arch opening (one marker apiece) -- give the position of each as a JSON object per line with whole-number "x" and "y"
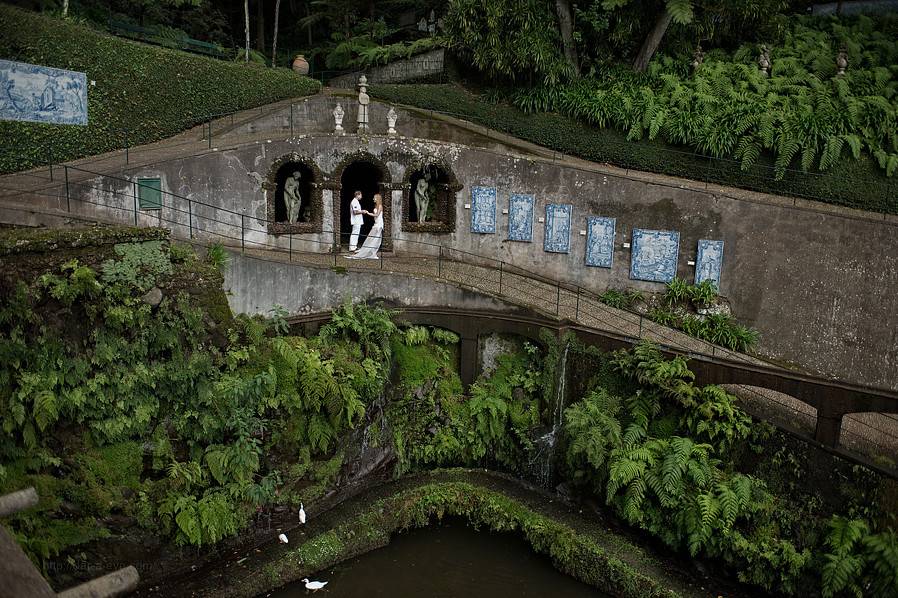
{"x": 365, "y": 176}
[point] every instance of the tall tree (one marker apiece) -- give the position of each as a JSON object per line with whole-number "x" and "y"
{"x": 566, "y": 27}
{"x": 246, "y": 15}
{"x": 676, "y": 11}
{"x": 274, "y": 42}
{"x": 260, "y": 26}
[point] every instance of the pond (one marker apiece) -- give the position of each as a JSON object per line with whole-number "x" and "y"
{"x": 448, "y": 559}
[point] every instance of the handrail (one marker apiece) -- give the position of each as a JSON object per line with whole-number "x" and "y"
{"x": 586, "y": 302}
{"x": 582, "y": 295}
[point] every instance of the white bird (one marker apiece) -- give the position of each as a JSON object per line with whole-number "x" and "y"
{"x": 302, "y": 514}
{"x": 313, "y": 585}
{"x": 283, "y": 538}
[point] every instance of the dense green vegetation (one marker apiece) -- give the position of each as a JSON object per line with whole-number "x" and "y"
{"x": 857, "y": 183}
{"x": 669, "y": 458}
{"x": 142, "y": 93}
{"x": 803, "y": 113}
{"x": 161, "y": 408}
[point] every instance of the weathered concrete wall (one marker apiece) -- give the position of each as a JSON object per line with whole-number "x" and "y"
{"x": 409, "y": 69}
{"x": 255, "y": 285}
{"x": 817, "y": 281}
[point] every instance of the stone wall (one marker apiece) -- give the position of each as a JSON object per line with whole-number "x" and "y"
{"x": 255, "y": 285}
{"x": 817, "y": 281}
{"x": 413, "y": 68}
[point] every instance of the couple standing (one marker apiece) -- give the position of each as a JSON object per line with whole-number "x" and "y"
{"x": 372, "y": 241}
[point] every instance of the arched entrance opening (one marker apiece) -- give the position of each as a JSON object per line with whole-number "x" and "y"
{"x": 359, "y": 176}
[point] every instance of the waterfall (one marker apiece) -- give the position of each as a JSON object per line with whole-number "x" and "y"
{"x": 542, "y": 461}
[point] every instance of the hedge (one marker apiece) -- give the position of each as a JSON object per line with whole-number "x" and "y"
{"x": 142, "y": 93}
{"x": 857, "y": 184}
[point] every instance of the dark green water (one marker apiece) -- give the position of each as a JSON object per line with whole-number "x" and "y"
{"x": 446, "y": 560}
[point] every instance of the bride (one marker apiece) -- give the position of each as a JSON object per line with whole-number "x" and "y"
{"x": 370, "y": 247}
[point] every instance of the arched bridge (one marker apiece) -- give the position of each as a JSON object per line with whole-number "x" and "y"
{"x": 832, "y": 400}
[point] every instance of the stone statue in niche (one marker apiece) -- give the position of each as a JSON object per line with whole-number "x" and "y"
{"x": 422, "y": 198}
{"x": 292, "y": 196}
{"x": 364, "y": 100}
{"x": 338, "y": 119}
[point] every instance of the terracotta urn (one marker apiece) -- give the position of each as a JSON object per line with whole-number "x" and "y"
{"x": 301, "y": 65}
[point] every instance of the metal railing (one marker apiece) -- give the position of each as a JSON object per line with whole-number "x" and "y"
{"x": 219, "y": 128}
{"x": 205, "y": 223}
{"x": 198, "y": 220}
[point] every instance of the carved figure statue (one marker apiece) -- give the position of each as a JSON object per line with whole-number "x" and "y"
{"x": 391, "y": 121}
{"x": 842, "y": 61}
{"x": 338, "y": 119}
{"x": 422, "y": 198}
{"x": 292, "y": 196}
{"x": 764, "y": 61}
{"x": 364, "y": 100}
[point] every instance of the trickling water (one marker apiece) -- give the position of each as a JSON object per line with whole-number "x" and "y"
{"x": 542, "y": 461}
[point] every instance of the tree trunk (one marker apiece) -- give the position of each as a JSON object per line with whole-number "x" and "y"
{"x": 246, "y": 14}
{"x": 65, "y": 9}
{"x": 260, "y": 26}
{"x": 652, "y": 41}
{"x": 309, "y": 27}
{"x": 566, "y": 27}
{"x": 274, "y": 42}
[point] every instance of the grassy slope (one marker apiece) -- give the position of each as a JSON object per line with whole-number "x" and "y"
{"x": 142, "y": 93}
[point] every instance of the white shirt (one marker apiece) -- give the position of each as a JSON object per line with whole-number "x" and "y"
{"x": 355, "y": 212}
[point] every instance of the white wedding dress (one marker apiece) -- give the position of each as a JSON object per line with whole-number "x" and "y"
{"x": 369, "y": 249}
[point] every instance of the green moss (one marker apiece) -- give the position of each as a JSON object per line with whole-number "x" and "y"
{"x": 184, "y": 89}
{"x": 41, "y": 240}
{"x": 117, "y": 465}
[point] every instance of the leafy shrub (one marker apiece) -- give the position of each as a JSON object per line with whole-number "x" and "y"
{"x": 657, "y": 457}
{"x": 143, "y": 93}
{"x": 858, "y": 183}
{"x": 802, "y": 114}
{"x": 218, "y": 256}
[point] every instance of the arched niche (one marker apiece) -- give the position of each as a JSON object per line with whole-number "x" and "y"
{"x": 307, "y": 186}
{"x": 369, "y": 174}
{"x": 434, "y": 179}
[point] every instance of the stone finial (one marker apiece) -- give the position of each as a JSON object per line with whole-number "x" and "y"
{"x": 391, "y": 121}
{"x": 338, "y": 119}
{"x": 364, "y": 100}
{"x": 764, "y": 61}
{"x": 698, "y": 57}
{"x": 842, "y": 61}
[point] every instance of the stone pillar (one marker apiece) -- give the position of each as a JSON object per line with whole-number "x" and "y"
{"x": 468, "y": 361}
{"x": 829, "y": 428}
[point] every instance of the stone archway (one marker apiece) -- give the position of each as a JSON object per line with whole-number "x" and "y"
{"x": 442, "y": 186}
{"x": 364, "y": 172}
{"x": 310, "y": 185}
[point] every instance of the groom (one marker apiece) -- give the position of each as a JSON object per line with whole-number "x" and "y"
{"x": 355, "y": 219}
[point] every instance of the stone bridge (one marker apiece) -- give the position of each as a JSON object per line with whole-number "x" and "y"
{"x": 832, "y": 400}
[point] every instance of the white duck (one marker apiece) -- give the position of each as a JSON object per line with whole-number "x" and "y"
{"x": 302, "y": 514}
{"x": 313, "y": 585}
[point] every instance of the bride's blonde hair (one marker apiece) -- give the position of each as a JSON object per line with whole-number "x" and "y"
{"x": 378, "y": 200}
